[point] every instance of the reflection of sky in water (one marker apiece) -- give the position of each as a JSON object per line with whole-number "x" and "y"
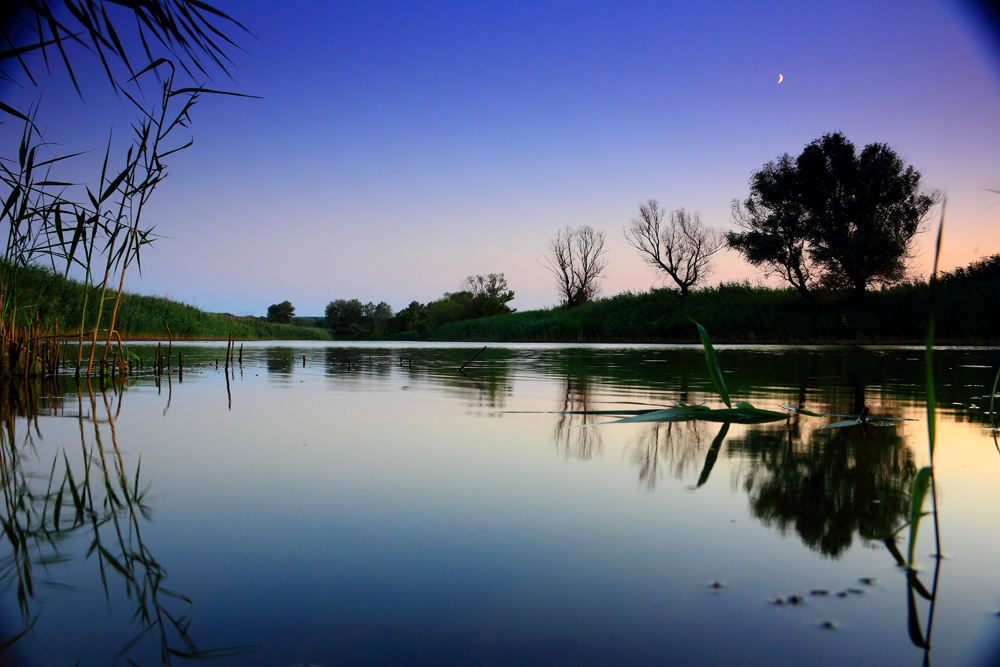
{"x": 416, "y": 515}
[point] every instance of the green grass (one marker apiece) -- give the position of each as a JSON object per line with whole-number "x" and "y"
{"x": 742, "y": 313}
{"x": 143, "y": 317}
{"x": 733, "y": 312}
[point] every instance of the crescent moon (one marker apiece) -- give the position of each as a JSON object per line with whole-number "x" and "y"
{"x": 781, "y": 78}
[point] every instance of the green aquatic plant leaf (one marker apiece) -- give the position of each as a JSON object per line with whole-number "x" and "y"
{"x": 743, "y": 413}
{"x": 919, "y": 491}
{"x": 993, "y": 414}
{"x": 680, "y": 413}
{"x": 713, "y": 365}
{"x": 803, "y": 411}
{"x": 841, "y": 424}
{"x": 929, "y": 352}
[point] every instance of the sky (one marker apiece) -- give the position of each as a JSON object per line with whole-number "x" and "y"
{"x": 395, "y": 148}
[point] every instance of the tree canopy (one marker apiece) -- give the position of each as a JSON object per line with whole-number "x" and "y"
{"x": 832, "y": 217}
{"x": 282, "y": 313}
{"x": 489, "y": 294}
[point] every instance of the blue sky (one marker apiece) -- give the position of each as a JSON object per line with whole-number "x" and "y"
{"x": 399, "y": 147}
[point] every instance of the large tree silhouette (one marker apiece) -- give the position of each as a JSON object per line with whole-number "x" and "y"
{"x": 832, "y": 217}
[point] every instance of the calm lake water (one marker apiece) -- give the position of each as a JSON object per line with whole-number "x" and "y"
{"x": 399, "y": 511}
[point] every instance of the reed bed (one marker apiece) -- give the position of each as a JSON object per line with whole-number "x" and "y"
{"x": 743, "y": 313}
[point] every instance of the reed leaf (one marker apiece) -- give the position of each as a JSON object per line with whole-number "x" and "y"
{"x": 918, "y": 492}
{"x": 841, "y": 424}
{"x": 929, "y": 353}
{"x": 993, "y": 395}
{"x": 803, "y": 411}
{"x": 713, "y": 365}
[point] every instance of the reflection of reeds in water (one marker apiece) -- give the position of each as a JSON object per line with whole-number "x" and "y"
{"x": 88, "y": 493}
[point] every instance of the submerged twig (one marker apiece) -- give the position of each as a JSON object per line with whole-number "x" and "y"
{"x": 472, "y": 358}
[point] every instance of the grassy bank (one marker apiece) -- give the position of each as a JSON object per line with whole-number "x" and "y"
{"x": 967, "y": 313}
{"x": 53, "y": 298}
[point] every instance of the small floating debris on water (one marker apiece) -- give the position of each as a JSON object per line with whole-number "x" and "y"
{"x": 828, "y": 625}
{"x": 793, "y": 600}
{"x": 868, "y": 581}
{"x": 716, "y": 585}
{"x": 819, "y": 592}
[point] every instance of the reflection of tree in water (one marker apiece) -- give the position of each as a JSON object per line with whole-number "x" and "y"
{"x": 486, "y": 384}
{"x": 481, "y": 389}
{"x": 280, "y": 360}
{"x": 572, "y": 442}
{"x": 827, "y": 484}
{"x": 678, "y": 445}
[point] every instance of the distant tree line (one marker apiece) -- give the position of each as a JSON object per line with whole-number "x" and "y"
{"x": 478, "y": 296}
{"x": 830, "y": 220}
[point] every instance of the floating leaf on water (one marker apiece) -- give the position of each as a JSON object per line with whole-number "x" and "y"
{"x": 679, "y": 413}
{"x": 803, "y": 411}
{"x": 849, "y": 422}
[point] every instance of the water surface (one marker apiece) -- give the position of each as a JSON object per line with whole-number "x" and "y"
{"x": 370, "y": 504}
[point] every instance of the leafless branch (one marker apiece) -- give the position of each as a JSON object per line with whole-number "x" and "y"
{"x": 680, "y": 246}
{"x": 576, "y": 259}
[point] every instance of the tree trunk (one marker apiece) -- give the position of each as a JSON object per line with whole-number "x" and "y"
{"x": 858, "y": 293}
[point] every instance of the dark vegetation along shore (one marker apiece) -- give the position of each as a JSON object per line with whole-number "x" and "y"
{"x": 741, "y": 313}
{"x": 733, "y": 312}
